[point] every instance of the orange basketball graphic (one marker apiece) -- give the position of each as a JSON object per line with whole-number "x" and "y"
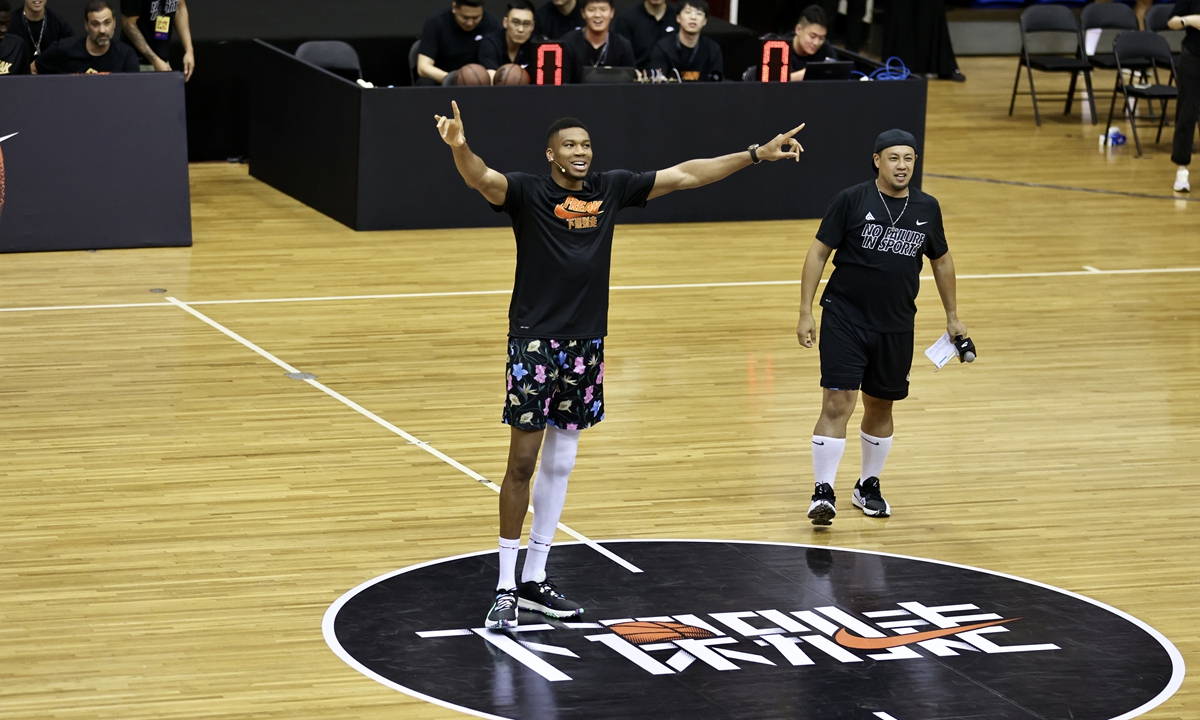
{"x": 642, "y": 632}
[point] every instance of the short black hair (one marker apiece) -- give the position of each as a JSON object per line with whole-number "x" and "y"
{"x": 563, "y": 124}
{"x": 813, "y": 15}
{"x": 469, "y": 3}
{"x": 96, "y": 6}
{"x": 4, "y": 6}
{"x": 584, "y": 3}
{"x": 519, "y": 5}
{"x": 701, "y": 5}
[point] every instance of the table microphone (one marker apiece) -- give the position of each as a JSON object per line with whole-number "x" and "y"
{"x": 966, "y": 348}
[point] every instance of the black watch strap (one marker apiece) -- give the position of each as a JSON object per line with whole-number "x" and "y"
{"x": 754, "y": 154}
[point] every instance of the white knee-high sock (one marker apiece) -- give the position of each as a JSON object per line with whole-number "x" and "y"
{"x": 549, "y": 496}
{"x": 508, "y": 563}
{"x": 874, "y": 454}
{"x": 826, "y": 454}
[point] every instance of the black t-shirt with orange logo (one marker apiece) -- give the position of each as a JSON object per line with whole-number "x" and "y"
{"x": 564, "y": 251}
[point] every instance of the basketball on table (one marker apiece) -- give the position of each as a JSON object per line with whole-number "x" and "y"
{"x": 511, "y": 74}
{"x": 473, "y": 74}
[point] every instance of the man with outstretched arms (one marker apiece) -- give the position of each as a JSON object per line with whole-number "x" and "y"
{"x": 563, "y": 223}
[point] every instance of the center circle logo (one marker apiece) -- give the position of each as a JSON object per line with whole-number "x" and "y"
{"x": 712, "y": 630}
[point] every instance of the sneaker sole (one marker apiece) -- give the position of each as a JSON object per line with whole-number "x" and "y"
{"x": 822, "y": 513}
{"x": 500, "y": 624}
{"x": 548, "y": 612}
{"x": 856, "y": 502}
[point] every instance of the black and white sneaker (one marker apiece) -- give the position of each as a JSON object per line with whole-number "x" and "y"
{"x": 503, "y": 615}
{"x": 542, "y": 597}
{"x": 824, "y": 505}
{"x": 868, "y": 497}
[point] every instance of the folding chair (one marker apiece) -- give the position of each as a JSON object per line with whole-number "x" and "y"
{"x": 1057, "y": 19}
{"x": 1152, "y": 48}
{"x": 1107, "y": 16}
{"x": 334, "y": 55}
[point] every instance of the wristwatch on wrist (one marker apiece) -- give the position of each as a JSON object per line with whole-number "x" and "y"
{"x": 754, "y": 158}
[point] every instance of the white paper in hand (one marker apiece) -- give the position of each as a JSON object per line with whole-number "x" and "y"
{"x": 941, "y": 351}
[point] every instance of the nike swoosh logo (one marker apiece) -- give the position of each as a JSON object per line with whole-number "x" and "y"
{"x": 9, "y": 136}
{"x": 565, "y": 214}
{"x": 818, "y": 443}
{"x": 871, "y": 441}
{"x": 919, "y": 223}
{"x": 845, "y": 639}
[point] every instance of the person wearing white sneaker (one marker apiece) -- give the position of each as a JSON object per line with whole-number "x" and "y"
{"x": 881, "y": 229}
{"x": 1186, "y": 16}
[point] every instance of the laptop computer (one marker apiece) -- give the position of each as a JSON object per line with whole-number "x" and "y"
{"x": 608, "y": 74}
{"x": 834, "y": 70}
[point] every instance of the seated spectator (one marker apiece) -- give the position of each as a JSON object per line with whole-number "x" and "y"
{"x": 512, "y": 45}
{"x": 688, "y": 53}
{"x": 451, "y": 39}
{"x": 594, "y": 45}
{"x": 645, "y": 24}
{"x": 92, "y": 54}
{"x": 557, "y": 18}
{"x": 146, "y": 26}
{"x": 40, "y": 26}
{"x": 808, "y": 42}
{"x": 14, "y": 52}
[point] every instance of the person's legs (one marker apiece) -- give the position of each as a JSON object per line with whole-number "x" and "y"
{"x": 875, "y": 436}
{"x": 549, "y": 496}
{"x": 844, "y": 351}
{"x": 514, "y": 503}
{"x": 1186, "y": 110}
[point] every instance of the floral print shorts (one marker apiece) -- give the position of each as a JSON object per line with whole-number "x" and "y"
{"x": 555, "y": 382}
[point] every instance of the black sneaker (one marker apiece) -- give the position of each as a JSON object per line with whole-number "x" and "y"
{"x": 868, "y": 497}
{"x": 503, "y": 615}
{"x": 824, "y": 505}
{"x": 542, "y": 597}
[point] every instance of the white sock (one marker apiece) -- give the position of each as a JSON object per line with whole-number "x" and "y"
{"x": 549, "y": 496}
{"x": 508, "y": 563}
{"x": 535, "y": 557}
{"x": 874, "y": 453}
{"x": 827, "y": 453}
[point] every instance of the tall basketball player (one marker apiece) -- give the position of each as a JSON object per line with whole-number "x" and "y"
{"x": 881, "y": 230}
{"x": 558, "y": 318}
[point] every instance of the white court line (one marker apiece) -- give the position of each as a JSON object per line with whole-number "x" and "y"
{"x": 884, "y": 716}
{"x": 413, "y": 440}
{"x": 677, "y": 286}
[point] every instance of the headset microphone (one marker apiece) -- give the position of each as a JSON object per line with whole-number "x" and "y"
{"x": 560, "y": 167}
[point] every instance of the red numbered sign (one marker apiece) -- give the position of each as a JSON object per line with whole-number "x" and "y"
{"x": 769, "y": 48}
{"x": 543, "y": 74}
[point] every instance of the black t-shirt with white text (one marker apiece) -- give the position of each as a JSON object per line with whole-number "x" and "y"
{"x": 642, "y": 31}
{"x": 40, "y": 34}
{"x": 703, "y": 63}
{"x": 550, "y": 24}
{"x": 70, "y": 56}
{"x": 877, "y": 263}
{"x": 580, "y": 54}
{"x": 493, "y": 52}
{"x": 14, "y": 56}
{"x": 451, "y": 47}
{"x": 156, "y": 22}
{"x": 564, "y": 250}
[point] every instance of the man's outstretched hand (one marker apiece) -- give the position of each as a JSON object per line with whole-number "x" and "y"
{"x": 451, "y": 129}
{"x": 782, "y": 146}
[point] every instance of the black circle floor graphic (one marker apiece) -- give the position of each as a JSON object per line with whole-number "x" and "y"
{"x": 717, "y": 630}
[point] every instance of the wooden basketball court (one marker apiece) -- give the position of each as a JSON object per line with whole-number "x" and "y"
{"x": 178, "y": 513}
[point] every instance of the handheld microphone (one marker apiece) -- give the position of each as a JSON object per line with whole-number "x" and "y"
{"x": 966, "y": 349}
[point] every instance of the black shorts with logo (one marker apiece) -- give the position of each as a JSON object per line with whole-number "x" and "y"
{"x": 554, "y": 382}
{"x": 854, "y": 358}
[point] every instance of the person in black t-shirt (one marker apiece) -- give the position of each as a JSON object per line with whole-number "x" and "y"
{"x": 146, "y": 26}
{"x": 688, "y": 53}
{"x": 558, "y": 317}
{"x": 594, "y": 45}
{"x": 39, "y": 26}
{"x": 1186, "y": 16}
{"x": 512, "y": 45}
{"x": 808, "y": 42}
{"x": 14, "y": 52}
{"x": 557, "y": 18}
{"x": 645, "y": 24}
{"x": 92, "y": 54}
{"x": 451, "y": 39}
{"x": 881, "y": 230}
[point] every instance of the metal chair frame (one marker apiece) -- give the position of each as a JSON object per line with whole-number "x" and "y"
{"x": 1152, "y": 48}
{"x": 1052, "y": 18}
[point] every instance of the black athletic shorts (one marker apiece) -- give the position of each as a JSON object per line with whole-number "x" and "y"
{"x": 853, "y": 358}
{"x": 554, "y": 382}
